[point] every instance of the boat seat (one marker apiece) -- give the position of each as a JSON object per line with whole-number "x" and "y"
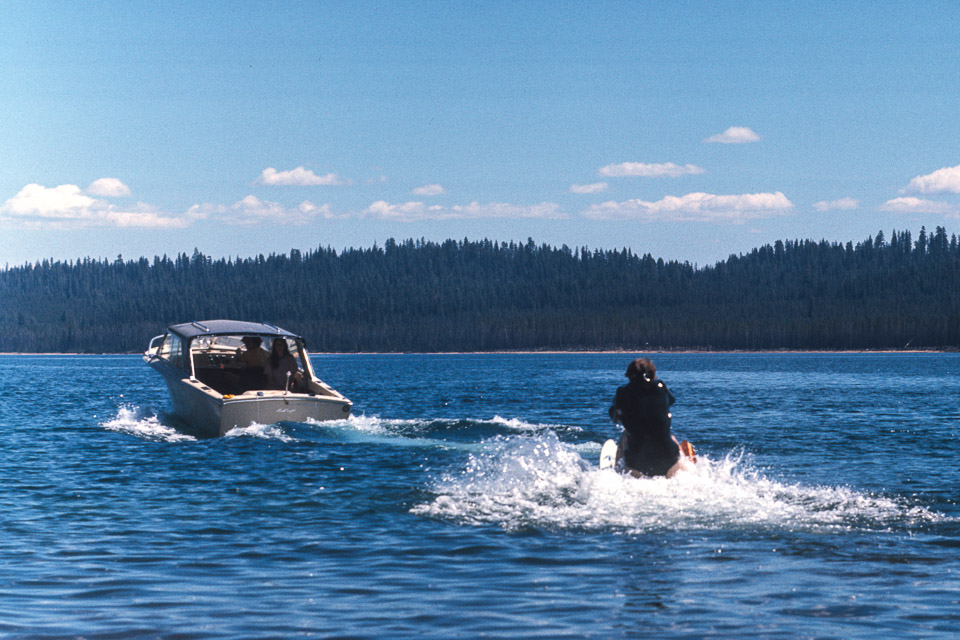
{"x": 250, "y": 379}
{"x": 215, "y": 378}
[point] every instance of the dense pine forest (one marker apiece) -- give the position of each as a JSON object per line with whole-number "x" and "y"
{"x": 483, "y": 295}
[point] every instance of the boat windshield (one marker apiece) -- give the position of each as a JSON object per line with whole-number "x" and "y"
{"x": 235, "y": 363}
{"x": 216, "y": 343}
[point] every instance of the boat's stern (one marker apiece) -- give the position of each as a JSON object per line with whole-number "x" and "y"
{"x": 269, "y": 407}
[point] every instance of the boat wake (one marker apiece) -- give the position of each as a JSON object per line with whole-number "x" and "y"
{"x": 446, "y": 433}
{"x": 521, "y": 482}
{"x": 441, "y": 433}
{"x": 143, "y": 424}
{"x": 515, "y": 474}
{"x": 261, "y": 431}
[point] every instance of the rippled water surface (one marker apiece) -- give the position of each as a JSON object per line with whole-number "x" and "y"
{"x": 463, "y": 499}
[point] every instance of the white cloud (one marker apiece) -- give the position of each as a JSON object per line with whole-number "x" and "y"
{"x": 65, "y": 202}
{"x": 843, "y": 204}
{"x": 544, "y": 210}
{"x": 917, "y": 205}
{"x": 144, "y": 215}
{"x": 108, "y": 188}
{"x": 596, "y": 187}
{"x": 322, "y": 211}
{"x": 734, "y": 135}
{"x": 299, "y": 177}
{"x": 644, "y": 170}
{"x": 67, "y": 207}
{"x": 252, "y": 210}
{"x": 204, "y": 211}
{"x": 946, "y": 180}
{"x": 429, "y": 190}
{"x": 700, "y": 207}
{"x": 418, "y": 211}
{"x": 406, "y": 212}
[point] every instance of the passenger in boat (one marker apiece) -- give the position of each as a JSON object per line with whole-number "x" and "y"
{"x": 642, "y": 406}
{"x": 249, "y": 366}
{"x": 251, "y": 355}
{"x": 279, "y": 364}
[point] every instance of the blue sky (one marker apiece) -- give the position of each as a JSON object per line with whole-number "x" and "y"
{"x": 686, "y": 130}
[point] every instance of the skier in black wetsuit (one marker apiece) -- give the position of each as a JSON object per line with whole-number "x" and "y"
{"x": 642, "y": 406}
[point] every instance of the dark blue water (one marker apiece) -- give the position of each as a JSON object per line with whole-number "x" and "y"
{"x": 464, "y": 500}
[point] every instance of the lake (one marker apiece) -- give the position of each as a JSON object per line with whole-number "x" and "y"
{"x": 463, "y": 500}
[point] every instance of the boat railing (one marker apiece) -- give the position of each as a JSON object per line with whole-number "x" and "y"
{"x": 153, "y": 350}
{"x": 191, "y": 353}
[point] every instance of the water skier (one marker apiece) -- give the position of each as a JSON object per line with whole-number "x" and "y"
{"x": 642, "y": 406}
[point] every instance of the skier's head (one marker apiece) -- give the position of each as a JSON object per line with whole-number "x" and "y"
{"x": 642, "y": 368}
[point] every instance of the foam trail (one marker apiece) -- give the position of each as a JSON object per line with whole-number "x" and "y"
{"x": 133, "y": 421}
{"x": 262, "y": 431}
{"x": 542, "y": 482}
{"x": 442, "y": 433}
{"x": 516, "y": 424}
{"x": 389, "y": 432}
{"x": 414, "y": 426}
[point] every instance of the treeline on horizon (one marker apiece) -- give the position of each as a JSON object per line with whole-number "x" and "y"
{"x": 484, "y": 295}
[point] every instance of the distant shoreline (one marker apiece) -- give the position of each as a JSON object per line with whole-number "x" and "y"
{"x": 551, "y": 352}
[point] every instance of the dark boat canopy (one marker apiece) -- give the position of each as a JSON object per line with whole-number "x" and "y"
{"x": 190, "y": 330}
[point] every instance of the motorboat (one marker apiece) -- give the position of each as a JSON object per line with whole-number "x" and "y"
{"x": 220, "y": 376}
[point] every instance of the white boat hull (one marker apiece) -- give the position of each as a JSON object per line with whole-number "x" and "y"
{"x": 214, "y": 414}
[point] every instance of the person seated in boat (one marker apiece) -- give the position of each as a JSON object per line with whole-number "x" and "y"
{"x": 250, "y": 354}
{"x": 642, "y": 406}
{"x": 281, "y": 363}
{"x": 249, "y": 363}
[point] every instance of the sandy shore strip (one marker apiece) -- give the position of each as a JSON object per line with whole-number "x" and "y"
{"x": 552, "y": 352}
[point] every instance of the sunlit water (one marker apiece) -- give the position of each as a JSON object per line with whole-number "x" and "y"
{"x": 463, "y": 499}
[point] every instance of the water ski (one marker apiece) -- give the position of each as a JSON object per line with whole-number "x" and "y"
{"x": 608, "y": 454}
